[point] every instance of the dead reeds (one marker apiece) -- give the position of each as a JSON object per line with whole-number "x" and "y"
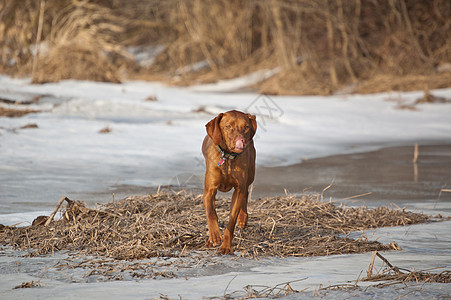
{"x": 261, "y": 291}
{"x": 169, "y": 224}
{"x": 15, "y": 113}
{"x": 319, "y": 46}
{"x": 389, "y": 274}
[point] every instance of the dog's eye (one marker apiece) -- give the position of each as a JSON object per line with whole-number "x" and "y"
{"x": 228, "y": 126}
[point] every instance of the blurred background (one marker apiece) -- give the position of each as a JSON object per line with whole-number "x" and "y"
{"x": 312, "y": 46}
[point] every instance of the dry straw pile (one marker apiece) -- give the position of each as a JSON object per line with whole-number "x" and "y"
{"x": 319, "y": 46}
{"x": 169, "y": 224}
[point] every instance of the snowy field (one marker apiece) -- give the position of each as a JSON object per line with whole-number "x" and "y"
{"x": 152, "y": 142}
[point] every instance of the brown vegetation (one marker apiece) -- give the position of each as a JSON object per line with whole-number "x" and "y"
{"x": 390, "y": 274}
{"x": 167, "y": 224}
{"x": 321, "y": 46}
{"x": 12, "y": 112}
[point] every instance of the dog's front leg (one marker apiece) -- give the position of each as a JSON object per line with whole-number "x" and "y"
{"x": 243, "y": 216}
{"x": 212, "y": 218}
{"x": 239, "y": 198}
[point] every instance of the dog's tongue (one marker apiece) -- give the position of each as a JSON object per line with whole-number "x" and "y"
{"x": 239, "y": 144}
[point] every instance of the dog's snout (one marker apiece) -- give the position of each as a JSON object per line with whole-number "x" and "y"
{"x": 239, "y": 143}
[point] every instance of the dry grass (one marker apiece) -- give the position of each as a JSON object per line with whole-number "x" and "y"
{"x": 406, "y": 276}
{"x": 74, "y": 38}
{"x": 168, "y": 224}
{"x": 394, "y": 275}
{"x": 340, "y": 43}
{"x": 28, "y": 285}
{"x": 15, "y": 113}
{"x": 85, "y": 64}
{"x": 381, "y": 83}
{"x": 261, "y": 291}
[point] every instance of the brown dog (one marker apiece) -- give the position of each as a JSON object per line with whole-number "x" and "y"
{"x": 229, "y": 155}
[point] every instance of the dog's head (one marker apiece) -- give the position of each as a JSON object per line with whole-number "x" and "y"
{"x": 232, "y": 130}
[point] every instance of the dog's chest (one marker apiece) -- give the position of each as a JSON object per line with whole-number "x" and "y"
{"x": 232, "y": 171}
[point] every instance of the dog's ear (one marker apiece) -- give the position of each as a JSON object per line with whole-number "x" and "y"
{"x": 213, "y": 130}
{"x": 254, "y": 123}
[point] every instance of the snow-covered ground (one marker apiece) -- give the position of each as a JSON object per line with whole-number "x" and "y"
{"x": 152, "y": 142}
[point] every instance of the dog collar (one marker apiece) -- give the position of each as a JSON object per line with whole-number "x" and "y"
{"x": 225, "y": 154}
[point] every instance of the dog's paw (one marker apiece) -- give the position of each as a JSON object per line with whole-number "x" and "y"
{"x": 214, "y": 240}
{"x": 225, "y": 249}
{"x": 210, "y": 244}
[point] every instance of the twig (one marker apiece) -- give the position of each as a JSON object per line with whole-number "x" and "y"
{"x": 326, "y": 188}
{"x": 415, "y": 154}
{"x": 273, "y": 226}
{"x": 356, "y": 196}
{"x": 370, "y": 268}
{"x": 440, "y": 194}
{"x": 358, "y": 278}
{"x": 229, "y": 284}
{"x": 38, "y": 37}
{"x": 49, "y": 220}
{"x": 387, "y": 262}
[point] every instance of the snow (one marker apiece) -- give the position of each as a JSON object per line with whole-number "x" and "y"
{"x": 151, "y": 142}
{"x": 236, "y": 83}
